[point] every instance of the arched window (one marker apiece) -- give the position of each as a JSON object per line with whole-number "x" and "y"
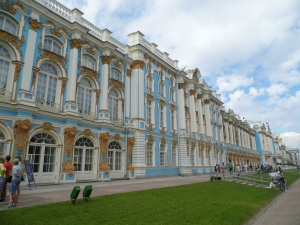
{"x": 149, "y": 84}
{"x": 53, "y": 46}
{"x": 88, "y": 62}
{"x": 4, "y": 66}
{"x": 41, "y": 153}
{"x": 8, "y": 25}
{"x": 46, "y": 84}
{"x": 114, "y": 157}
{"x": 115, "y": 74}
{"x": 83, "y": 156}
{"x": 84, "y": 96}
{"x": 2, "y": 143}
{"x": 113, "y": 102}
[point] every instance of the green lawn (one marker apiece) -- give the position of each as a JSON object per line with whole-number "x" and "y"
{"x": 217, "y": 202}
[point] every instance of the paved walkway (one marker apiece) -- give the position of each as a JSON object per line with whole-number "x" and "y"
{"x": 285, "y": 209}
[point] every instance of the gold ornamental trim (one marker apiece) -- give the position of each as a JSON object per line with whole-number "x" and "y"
{"x": 97, "y": 91}
{"x": 21, "y": 130}
{"x": 172, "y": 74}
{"x": 174, "y": 142}
{"x": 47, "y": 126}
{"x": 117, "y": 84}
{"x": 10, "y": 8}
{"x": 90, "y": 73}
{"x": 163, "y": 141}
{"x": 5, "y": 36}
{"x": 34, "y": 24}
{"x": 192, "y": 92}
{"x": 137, "y": 64}
{"x": 87, "y": 132}
{"x": 18, "y": 64}
{"x": 122, "y": 100}
{"x": 150, "y": 127}
{"x": 199, "y": 96}
{"x": 207, "y": 101}
{"x": 130, "y": 143}
{"x": 150, "y": 97}
{"x": 172, "y": 106}
{"x": 129, "y": 72}
{"x": 117, "y": 137}
{"x": 91, "y": 51}
{"x": 106, "y": 59}
{"x": 130, "y": 167}
{"x": 69, "y": 137}
{"x": 54, "y": 57}
{"x": 163, "y": 130}
{"x": 103, "y": 139}
{"x": 150, "y": 139}
{"x": 63, "y": 84}
{"x": 76, "y": 43}
{"x": 181, "y": 85}
{"x": 174, "y": 132}
{"x": 187, "y": 146}
{"x": 162, "y": 102}
{"x": 58, "y": 32}
{"x": 68, "y": 167}
{"x": 118, "y": 63}
{"x": 104, "y": 167}
{"x": 35, "y": 72}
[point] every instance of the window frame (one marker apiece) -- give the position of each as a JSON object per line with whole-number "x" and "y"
{"x": 12, "y": 21}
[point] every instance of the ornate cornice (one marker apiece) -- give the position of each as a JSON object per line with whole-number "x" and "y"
{"x": 117, "y": 137}
{"x": 181, "y": 85}
{"x": 106, "y": 59}
{"x": 18, "y": 64}
{"x": 34, "y": 24}
{"x": 150, "y": 127}
{"x": 63, "y": 84}
{"x": 91, "y": 51}
{"x": 172, "y": 106}
{"x": 47, "y": 126}
{"x": 54, "y": 57}
{"x": 5, "y": 36}
{"x": 117, "y": 84}
{"x": 162, "y": 102}
{"x": 163, "y": 130}
{"x": 137, "y": 64}
{"x": 10, "y": 8}
{"x": 89, "y": 72}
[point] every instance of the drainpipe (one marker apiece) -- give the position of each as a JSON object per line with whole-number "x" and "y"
{"x": 178, "y": 127}
{"x": 124, "y": 118}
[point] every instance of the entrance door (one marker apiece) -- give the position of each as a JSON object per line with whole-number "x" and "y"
{"x": 84, "y": 159}
{"x": 114, "y": 160}
{"x": 41, "y": 154}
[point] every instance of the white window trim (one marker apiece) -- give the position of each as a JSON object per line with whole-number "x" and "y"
{"x": 164, "y": 117}
{"x": 175, "y": 120}
{"x": 118, "y": 70}
{"x": 153, "y": 154}
{"x": 152, "y": 113}
{"x": 165, "y": 155}
{"x": 97, "y": 58}
{"x": 176, "y": 155}
{"x": 120, "y": 113}
{"x": 20, "y": 23}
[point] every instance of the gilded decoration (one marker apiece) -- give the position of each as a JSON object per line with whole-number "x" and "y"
{"x": 97, "y": 95}
{"x": 199, "y": 148}
{"x": 186, "y": 109}
{"x": 34, "y": 24}
{"x": 150, "y": 139}
{"x": 115, "y": 83}
{"x": 87, "y": 132}
{"x": 40, "y": 47}
{"x": 21, "y": 129}
{"x": 69, "y": 136}
{"x": 117, "y": 137}
{"x": 193, "y": 145}
{"x": 174, "y": 133}
{"x": 192, "y": 92}
{"x": 181, "y": 85}
{"x": 59, "y": 31}
{"x": 130, "y": 167}
{"x": 163, "y": 130}
{"x": 89, "y": 72}
{"x": 172, "y": 106}
{"x": 137, "y": 64}
{"x": 11, "y": 39}
{"x": 18, "y": 64}
{"x": 91, "y": 51}
{"x": 199, "y": 96}
{"x": 106, "y": 59}
{"x": 63, "y": 84}
{"x": 150, "y": 127}
{"x": 174, "y": 142}
{"x": 35, "y": 72}
{"x": 104, "y": 167}
{"x": 162, "y": 102}
{"x": 207, "y": 101}
{"x": 68, "y": 167}
{"x": 188, "y": 146}
{"x": 103, "y": 143}
{"x": 122, "y": 100}
{"x": 130, "y": 143}
{"x": 163, "y": 141}
{"x": 118, "y": 63}
{"x": 53, "y": 57}
{"x": 150, "y": 96}
{"x": 47, "y": 126}
{"x": 76, "y": 43}
{"x": 129, "y": 72}
{"x": 10, "y": 8}
{"x": 173, "y": 74}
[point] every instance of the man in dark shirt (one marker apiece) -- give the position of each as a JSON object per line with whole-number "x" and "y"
{"x": 8, "y": 165}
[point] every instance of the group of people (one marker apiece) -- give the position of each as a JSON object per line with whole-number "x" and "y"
{"x": 223, "y": 169}
{"x": 13, "y": 172}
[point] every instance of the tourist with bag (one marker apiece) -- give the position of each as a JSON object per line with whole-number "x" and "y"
{"x": 15, "y": 182}
{"x": 8, "y": 166}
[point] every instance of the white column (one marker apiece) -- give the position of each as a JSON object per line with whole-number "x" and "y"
{"x": 207, "y": 116}
{"x": 181, "y": 106}
{"x": 227, "y": 131}
{"x": 239, "y": 136}
{"x": 200, "y": 113}
{"x": 127, "y": 94}
{"x": 106, "y": 59}
{"x": 193, "y": 112}
{"x": 230, "y": 131}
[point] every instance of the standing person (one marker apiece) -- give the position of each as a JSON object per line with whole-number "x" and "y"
{"x": 281, "y": 180}
{"x": 19, "y": 186}
{"x": 16, "y": 179}
{"x": 251, "y": 168}
{"x": 216, "y": 170}
{"x": 224, "y": 167}
{"x": 230, "y": 168}
{"x": 8, "y": 165}
{"x": 246, "y": 168}
{"x": 2, "y": 173}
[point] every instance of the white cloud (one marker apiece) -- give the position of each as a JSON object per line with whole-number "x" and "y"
{"x": 291, "y": 139}
{"x": 277, "y": 89}
{"x": 232, "y": 82}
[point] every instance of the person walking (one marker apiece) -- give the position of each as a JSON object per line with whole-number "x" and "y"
{"x": 281, "y": 180}
{"x": 16, "y": 179}
{"x": 2, "y": 174}
{"x": 224, "y": 168}
{"x": 19, "y": 186}
{"x": 230, "y": 167}
{"x": 8, "y": 165}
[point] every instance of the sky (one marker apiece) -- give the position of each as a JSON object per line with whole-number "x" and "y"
{"x": 247, "y": 50}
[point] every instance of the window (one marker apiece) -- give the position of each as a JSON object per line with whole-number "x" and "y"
{"x": 173, "y": 152}
{"x": 114, "y": 158}
{"x": 83, "y": 155}
{"x": 148, "y": 111}
{"x": 161, "y": 115}
{"x": 172, "y": 119}
{"x": 8, "y": 25}
{"x": 149, "y": 68}
{"x": 88, "y": 62}
{"x": 193, "y": 156}
{"x": 52, "y": 46}
{"x": 113, "y": 101}
{"x": 161, "y": 89}
{"x": 149, "y": 154}
{"x": 172, "y": 95}
{"x": 84, "y": 96}
{"x": 162, "y": 155}
{"x": 115, "y": 74}
{"x": 171, "y": 81}
{"x": 46, "y": 84}
{"x": 4, "y": 67}
{"x": 149, "y": 83}
{"x": 160, "y": 76}
{"x": 41, "y": 153}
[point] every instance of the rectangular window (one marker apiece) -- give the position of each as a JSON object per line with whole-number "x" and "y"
{"x": 88, "y": 160}
{"x": 173, "y": 155}
{"x": 148, "y": 110}
{"x": 149, "y": 154}
{"x": 149, "y": 84}
{"x": 161, "y": 90}
{"x": 193, "y": 156}
{"x": 172, "y": 95}
{"x": 49, "y": 157}
{"x": 172, "y": 119}
{"x": 162, "y": 154}
{"x": 34, "y": 154}
{"x": 161, "y": 115}
{"x": 78, "y": 159}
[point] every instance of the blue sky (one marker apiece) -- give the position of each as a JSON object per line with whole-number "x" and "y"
{"x": 249, "y": 51}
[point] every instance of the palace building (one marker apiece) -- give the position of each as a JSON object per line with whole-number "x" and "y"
{"x": 80, "y": 105}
